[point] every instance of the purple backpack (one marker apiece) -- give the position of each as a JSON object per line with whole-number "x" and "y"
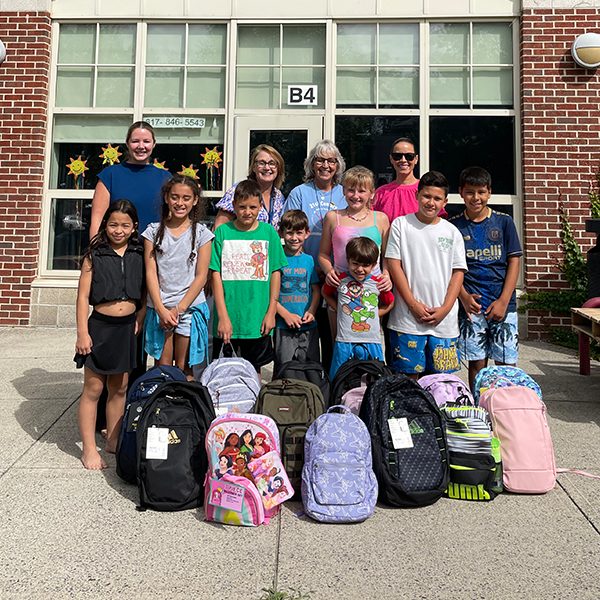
{"x": 447, "y": 388}
{"x": 338, "y": 482}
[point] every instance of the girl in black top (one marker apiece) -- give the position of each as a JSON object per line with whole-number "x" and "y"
{"x": 111, "y": 281}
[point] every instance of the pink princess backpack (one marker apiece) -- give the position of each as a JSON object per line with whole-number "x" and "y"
{"x": 234, "y": 440}
{"x": 518, "y": 418}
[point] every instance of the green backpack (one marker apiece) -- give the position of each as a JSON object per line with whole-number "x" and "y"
{"x": 293, "y": 405}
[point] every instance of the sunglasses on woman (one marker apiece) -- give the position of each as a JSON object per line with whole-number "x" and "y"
{"x": 409, "y": 156}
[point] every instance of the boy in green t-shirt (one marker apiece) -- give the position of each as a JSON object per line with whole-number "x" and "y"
{"x": 246, "y": 258}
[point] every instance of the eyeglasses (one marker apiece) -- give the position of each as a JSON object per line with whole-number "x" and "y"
{"x": 263, "y": 163}
{"x": 409, "y": 156}
{"x": 319, "y": 160}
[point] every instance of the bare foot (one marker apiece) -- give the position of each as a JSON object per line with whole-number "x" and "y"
{"x": 111, "y": 447}
{"x": 93, "y": 461}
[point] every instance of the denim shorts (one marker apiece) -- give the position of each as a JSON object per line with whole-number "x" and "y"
{"x": 417, "y": 353}
{"x": 484, "y": 338}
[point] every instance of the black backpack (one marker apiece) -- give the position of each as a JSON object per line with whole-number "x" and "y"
{"x": 306, "y": 370}
{"x": 350, "y": 374}
{"x": 181, "y": 413}
{"x": 408, "y": 477}
{"x": 138, "y": 394}
{"x": 293, "y": 405}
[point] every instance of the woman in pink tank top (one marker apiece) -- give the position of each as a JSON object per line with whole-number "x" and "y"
{"x": 356, "y": 220}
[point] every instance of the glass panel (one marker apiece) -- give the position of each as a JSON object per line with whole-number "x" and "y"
{"x": 257, "y": 87}
{"x": 293, "y": 147}
{"x": 356, "y": 44}
{"x": 205, "y": 88}
{"x": 69, "y": 232}
{"x": 207, "y": 45}
{"x": 303, "y": 45}
{"x": 398, "y": 44}
{"x": 492, "y": 43}
{"x": 164, "y": 87}
{"x": 84, "y": 136}
{"x": 117, "y": 44}
{"x": 74, "y": 86}
{"x": 355, "y": 87}
{"x": 77, "y": 44}
{"x": 258, "y": 46}
{"x": 165, "y": 44}
{"x": 398, "y": 87}
{"x": 304, "y": 76}
{"x": 449, "y": 87}
{"x": 492, "y": 86}
{"x": 449, "y": 43}
{"x": 115, "y": 87}
{"x": 367, "y": 140}
{"x": 488, "y": 142}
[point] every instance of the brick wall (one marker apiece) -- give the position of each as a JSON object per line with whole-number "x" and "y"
{"x": 24, "y": 80}
{"x": 561, "y": 143}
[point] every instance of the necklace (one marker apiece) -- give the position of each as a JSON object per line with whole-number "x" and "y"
{"x": 322, "y": 195}
{"x": 357, "y": 219}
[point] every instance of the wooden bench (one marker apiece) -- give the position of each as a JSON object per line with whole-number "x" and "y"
{"x": 586, "y": 321}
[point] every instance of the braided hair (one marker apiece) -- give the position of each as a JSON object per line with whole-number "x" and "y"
{"x": 196, "y": 214}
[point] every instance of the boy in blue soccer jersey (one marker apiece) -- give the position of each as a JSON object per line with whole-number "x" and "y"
{"x": 488, "y": 315}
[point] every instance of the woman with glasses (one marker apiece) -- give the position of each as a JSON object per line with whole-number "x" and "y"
{"x": 268, "y": 170}
{"x": 398, "y": 198}
{"x": 321, "y": 192}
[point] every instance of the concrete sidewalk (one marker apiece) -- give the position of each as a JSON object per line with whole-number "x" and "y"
{"x": 70, "y": 533}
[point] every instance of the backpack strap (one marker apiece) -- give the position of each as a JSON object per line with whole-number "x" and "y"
{"x": 510, "y": 383}
{"x": 578, "y": 472}
{"x": 230, "y": 351}
{"x": 345, "y": 409}
{"x": 359, "y": 345}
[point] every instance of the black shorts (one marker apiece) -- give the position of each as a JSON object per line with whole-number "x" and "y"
{"x": 257, "y": 351}
{"x": 114, "y": 344}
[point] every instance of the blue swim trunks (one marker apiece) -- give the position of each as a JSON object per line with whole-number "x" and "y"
{"x": 417, "y": 353}
{"x": 483, "y": 338}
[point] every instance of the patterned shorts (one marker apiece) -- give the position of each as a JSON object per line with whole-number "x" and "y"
{"x": 417, "y": 353}
{"x": 484, "y": 338}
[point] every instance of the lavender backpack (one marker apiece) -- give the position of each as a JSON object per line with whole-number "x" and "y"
{"x": 338, "y": 482}
{"x": 447, "y": 388}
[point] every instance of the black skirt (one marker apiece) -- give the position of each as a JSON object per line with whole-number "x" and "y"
{"x": 114, "y": 345}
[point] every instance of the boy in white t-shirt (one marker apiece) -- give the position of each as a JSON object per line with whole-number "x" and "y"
{"x": 426, "y": 259}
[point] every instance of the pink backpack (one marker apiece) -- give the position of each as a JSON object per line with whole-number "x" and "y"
{"x": 519, "y": 421}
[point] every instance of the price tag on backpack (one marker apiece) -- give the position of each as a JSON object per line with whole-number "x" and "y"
{"x": 400, "y": 433}
{"x": 157, "y": 443}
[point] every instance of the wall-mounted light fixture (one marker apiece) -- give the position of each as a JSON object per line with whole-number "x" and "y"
{"x": 2, "y": 52}
{"x": 586, "y": 50}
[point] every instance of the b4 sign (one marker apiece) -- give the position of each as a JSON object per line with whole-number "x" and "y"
{"x": 299, "y": 95}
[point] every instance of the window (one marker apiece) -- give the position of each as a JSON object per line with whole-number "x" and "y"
{"x": 271, "y": 58}
{"x": 377, "y": 65}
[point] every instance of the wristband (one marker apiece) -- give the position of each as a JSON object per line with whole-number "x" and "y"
{"x": 411, "y": 307}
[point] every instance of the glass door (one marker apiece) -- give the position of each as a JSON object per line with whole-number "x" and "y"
{"x": 292, "y": 136}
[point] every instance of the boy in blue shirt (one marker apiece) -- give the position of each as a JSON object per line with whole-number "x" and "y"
{"x": 488, "y": 315}
{"x": 296, "y": 334}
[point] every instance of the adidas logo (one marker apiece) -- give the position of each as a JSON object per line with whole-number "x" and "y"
{"x": 414, "y": 427}
{"x": 173, "y": 439}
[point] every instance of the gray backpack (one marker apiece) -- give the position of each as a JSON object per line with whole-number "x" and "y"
{"x": 232, "y": 383}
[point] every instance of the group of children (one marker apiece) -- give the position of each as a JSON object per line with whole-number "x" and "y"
{"x": 263, "y": 282}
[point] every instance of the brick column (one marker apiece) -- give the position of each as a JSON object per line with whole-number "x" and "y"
{"x": 24, "y": 79}
{"x": 561, "y": 143}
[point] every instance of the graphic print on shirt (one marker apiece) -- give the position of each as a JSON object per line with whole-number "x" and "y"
{"x": 245, "y": 260}
{"x": 361, "y": 305}
{"x": 294, "y": 285}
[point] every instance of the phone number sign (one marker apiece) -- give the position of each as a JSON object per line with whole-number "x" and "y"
{"x": 187, "y": 122}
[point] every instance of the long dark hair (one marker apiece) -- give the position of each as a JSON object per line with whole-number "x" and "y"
{"x": 101, "y": 238}
{"x": 196, "y": 214}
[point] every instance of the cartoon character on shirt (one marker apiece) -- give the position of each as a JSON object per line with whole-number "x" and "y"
{"x": 356, "y": 306}
{"x": 257, "y": 260}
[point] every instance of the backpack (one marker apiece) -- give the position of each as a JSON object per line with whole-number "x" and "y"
{"x": 171, "y": 458}
{"x": 352, "y": 378}
{"x": 447, "y": 387}
{"x": 232, "y": 383}
{"x": 138, "y": 394}
{"x": 519, "y": 421}
{"x": 338, "y": 483}
{"x": 472, "y": 465}
{"x": 306, "y": 370}
{"x": 219, "y": 439}
{"x": 502, "y": 376}
{"x": 293, "y": 405}
{"x": 408, "y": 437}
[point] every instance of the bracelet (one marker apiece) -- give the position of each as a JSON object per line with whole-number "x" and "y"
{"x": 411, "y": 307}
